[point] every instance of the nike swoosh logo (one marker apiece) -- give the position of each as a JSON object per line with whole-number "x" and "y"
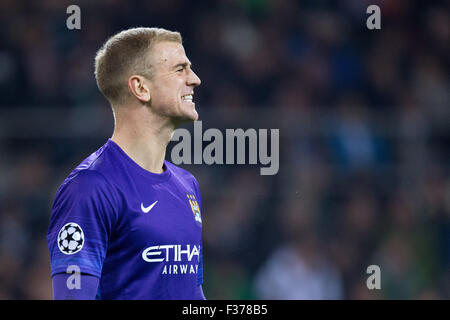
{"x": 146, "y": 210}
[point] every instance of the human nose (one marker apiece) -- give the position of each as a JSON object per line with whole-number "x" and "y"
{"x": 193, "y": 79}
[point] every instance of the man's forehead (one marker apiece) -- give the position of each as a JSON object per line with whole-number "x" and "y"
{"x": 169, "y": 53}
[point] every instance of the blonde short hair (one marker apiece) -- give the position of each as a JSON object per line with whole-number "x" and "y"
{"x": 124, "y": 54}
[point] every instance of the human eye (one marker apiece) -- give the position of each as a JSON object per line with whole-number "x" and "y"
{"x": 181, "y": 67}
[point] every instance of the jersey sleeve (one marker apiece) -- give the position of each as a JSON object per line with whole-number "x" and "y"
{"x": 86, "y": 289}
{"x": 83, "y": 216}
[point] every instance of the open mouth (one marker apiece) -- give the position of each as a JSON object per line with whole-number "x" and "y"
{"x": 187, "y": 98}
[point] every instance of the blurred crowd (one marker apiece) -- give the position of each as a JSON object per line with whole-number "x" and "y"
{"x": 364, "y": 126}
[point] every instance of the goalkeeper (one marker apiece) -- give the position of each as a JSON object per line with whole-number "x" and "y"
{"x": 127, "y": 219}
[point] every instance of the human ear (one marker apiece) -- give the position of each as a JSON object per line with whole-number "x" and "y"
{"x": 139, "y": 88}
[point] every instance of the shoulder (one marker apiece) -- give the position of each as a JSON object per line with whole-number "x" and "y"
{"x": 180, "y": 172}
{"x": 87, "y": 177}
{"x": 85, "y": 180}
{"x": 184, "y": 177}
{"x": 86, "y": 193}
{"x": 86, "y": 188}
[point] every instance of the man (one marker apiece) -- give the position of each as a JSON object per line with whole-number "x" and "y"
{"x": 126, "y": 219}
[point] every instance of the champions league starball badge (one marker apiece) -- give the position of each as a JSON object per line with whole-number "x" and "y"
{"x": 70, "y": 238}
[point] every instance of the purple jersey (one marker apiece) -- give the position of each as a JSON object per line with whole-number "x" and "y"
{"x": 139, "y": 232}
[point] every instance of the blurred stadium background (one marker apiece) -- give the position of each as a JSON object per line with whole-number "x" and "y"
{"x": 364, "y": 135}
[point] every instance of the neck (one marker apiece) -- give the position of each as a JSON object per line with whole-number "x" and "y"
{"x": 143, "y": 137}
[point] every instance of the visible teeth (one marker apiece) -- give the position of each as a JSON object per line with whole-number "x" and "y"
{"x": 187, "y": 97}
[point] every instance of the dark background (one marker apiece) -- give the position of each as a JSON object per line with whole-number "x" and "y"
{"x": 364, "y": 132}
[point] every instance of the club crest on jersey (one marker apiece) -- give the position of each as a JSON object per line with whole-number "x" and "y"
{"x": 195, "y": 207}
